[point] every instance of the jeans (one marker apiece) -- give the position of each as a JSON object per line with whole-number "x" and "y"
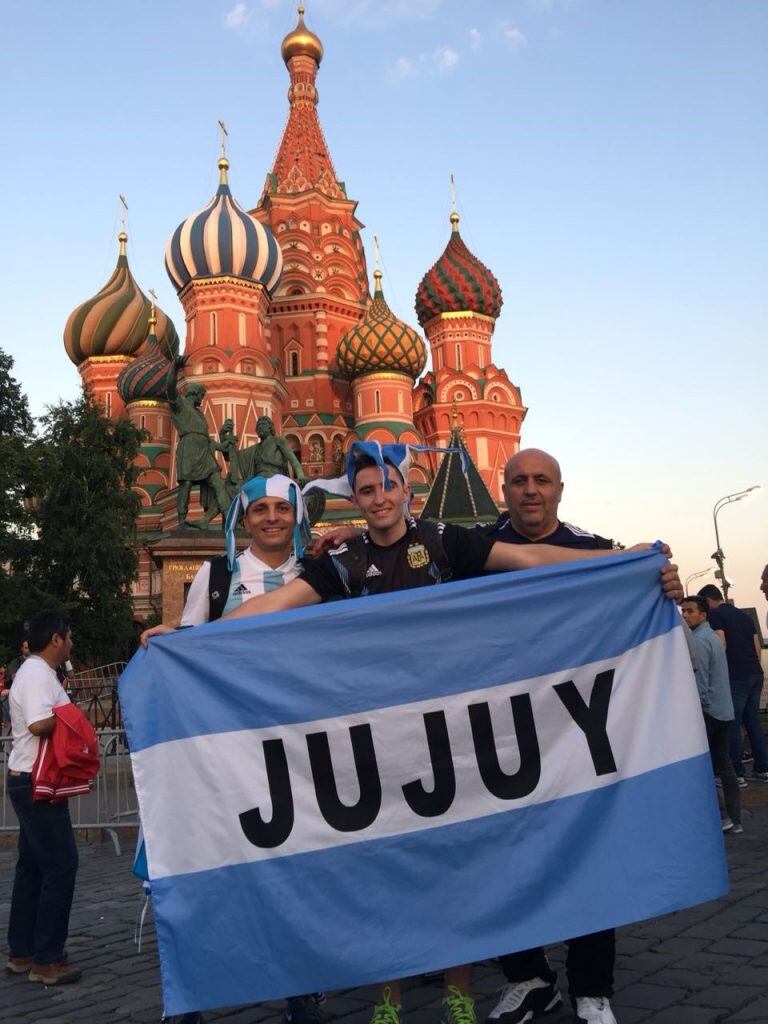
{"x": 589, "y": 965}
{"x": 718, "y": 736}
{"x": 746, "y": 709}
{"x": 44, "y": 883}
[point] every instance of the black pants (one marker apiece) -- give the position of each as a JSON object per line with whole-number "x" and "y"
{"x": 44, "y": 883}
{"x": 719, "y": 738}
{"x": 589, "y": 965}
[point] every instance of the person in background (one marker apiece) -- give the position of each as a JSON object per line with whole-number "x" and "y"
{"x": 5, "y": 715}
{"x": 742, "y": 650}
{"x": 13, "y": 666}
{"x": 44, "y": 883}
{"x": 715, "y": 695}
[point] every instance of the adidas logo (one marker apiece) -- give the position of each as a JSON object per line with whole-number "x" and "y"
{"x": 242, "y": 589}
{"x": 373, "y": 571}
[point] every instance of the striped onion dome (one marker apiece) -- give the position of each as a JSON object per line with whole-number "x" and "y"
{"x": 223, "y": 240}
{"x": 381, "y": 342}
{"x": 114, "y": 322}
{"x": 457, "y": 282}
{"x": 145, "y": 378}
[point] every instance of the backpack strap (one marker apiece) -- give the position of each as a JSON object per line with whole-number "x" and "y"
{"x": 218, "y": 586}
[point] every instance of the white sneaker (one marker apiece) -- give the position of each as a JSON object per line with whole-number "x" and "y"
{"x": 594, "y": 1010}
{"x": 521, "y": 1001}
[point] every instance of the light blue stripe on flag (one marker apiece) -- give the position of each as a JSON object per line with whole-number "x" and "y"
{"x": 563, "y": 818}
{"x": 563, "y": 616}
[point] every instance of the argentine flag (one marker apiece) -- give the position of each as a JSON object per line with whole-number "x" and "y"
{"x": 380, "y": 787}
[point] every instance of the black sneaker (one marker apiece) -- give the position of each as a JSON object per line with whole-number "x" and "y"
{"x": 304, "y": 1010}
{"x": 521, "y": 1001}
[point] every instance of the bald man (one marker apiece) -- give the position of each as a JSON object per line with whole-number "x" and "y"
{"x": 533, "y": 488}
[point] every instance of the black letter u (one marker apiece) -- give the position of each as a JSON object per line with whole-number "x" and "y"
{"x": 343, "y": 817}
{"x": 269, "y": 834}
{"x": 497, "y": 782}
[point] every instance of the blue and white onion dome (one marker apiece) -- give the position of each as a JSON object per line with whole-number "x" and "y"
{"x": 222, "y": 240}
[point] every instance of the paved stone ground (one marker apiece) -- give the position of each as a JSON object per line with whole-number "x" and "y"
{"x": 700, "y": 966}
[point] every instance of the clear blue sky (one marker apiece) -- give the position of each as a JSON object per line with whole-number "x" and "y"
{"x": 610, "y": 160}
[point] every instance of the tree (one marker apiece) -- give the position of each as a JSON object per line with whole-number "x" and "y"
{"x": 87, "y": 554}
{"x": 19, "y": 475}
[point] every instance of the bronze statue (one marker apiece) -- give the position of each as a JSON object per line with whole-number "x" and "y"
{"x": 271, "y": 455}
{"x": 195, "y": 459}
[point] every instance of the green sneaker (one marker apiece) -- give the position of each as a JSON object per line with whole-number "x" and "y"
{"x": 387, "y": 1012}
{"x": 458, "y": 1008}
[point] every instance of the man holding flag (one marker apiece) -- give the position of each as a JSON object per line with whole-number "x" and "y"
{"x": 398, "y": 553}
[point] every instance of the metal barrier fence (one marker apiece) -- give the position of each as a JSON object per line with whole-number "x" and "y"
{"x": 111, "y": 805}
{"x": 95, "y": 691}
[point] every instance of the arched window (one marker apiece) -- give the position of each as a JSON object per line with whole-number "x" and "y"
{"x": 143, "y": 422}
{"x": 316, "y": 448}
{"x": 241, "y": 330}
{"x": 294, "y": 364}
{"x": 295, "y": 445}
{"x": 458, "y": 356}
{"x": 213, "y": 328}
{"x": 377, "y": 400}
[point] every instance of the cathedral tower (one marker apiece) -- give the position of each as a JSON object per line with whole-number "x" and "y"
{"x": 457, "y": 304}
{"x": 324, "y": 288}
{"x": 104, "y": 334}
{"x": 382, "y": 357}
{"x": 224, "y": 264}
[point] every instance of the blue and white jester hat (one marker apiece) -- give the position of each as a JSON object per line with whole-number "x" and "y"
{"x": 257, "y": 487}
{"x": 384, "y": 455}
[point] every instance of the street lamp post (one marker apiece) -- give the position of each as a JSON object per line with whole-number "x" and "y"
{"x": 695, "y": 576}
{"x": 718, "y": 555}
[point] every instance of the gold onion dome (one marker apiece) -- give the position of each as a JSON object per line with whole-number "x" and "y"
{"x": 115, "y": 321}
{"x": 381, "y": 343}
{"x": 301, "y": 41}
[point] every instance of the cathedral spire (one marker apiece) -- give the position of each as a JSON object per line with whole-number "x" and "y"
{"x": 303, "y": 162}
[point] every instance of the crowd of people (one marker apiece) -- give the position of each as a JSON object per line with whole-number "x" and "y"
{"x": 394, "y": 552}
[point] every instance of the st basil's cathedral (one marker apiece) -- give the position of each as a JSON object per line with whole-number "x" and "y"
{"x": 280, "y": 322}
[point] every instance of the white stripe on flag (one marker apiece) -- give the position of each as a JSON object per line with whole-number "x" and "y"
{"x": 209, "y": 781}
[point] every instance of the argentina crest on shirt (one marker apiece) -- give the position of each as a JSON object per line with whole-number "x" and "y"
{"x": 379, "y": 787}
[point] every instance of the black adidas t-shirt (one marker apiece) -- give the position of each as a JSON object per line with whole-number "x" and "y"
{"x": 564, "y": 536}
{"x": 400, "y": 566}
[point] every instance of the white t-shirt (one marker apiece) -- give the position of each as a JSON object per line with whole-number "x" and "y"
{"x": 251, "y": 576}
{"x": 35, "y": 692}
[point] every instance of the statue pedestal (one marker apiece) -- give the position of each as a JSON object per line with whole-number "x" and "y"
{"x": 178, "y": 555}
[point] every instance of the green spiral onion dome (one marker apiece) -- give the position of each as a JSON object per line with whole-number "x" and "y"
{"x": 115, "y": 321}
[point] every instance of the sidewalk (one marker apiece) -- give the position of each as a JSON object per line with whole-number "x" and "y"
{"x": 700, "y": 966}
